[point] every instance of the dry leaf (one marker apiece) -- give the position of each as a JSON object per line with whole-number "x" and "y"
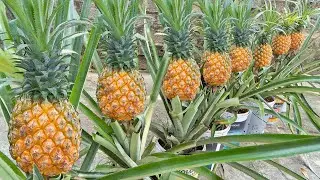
{"x": 304, "y": 172}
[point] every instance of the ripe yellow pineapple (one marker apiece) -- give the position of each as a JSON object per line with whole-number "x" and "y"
{"x": 121, "y": 90}
{"x": 263, "y": 55}
{"x": 182, "y": 79}
{"x": 240, "y": 54}
{"x": 44, "y": 129}
{"x": 241, "y": 58}
{"x": 281, "y": 44}
{"x": 121, "y": 94}
{"x": 183, "y": 76}
{"x": 297, "y": 39}
{"x": 217, "y": 67}
{"x": 44, "y": 133}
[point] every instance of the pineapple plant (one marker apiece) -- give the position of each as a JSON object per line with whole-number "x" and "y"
{"x": 263, "y": 51}
{"x": 121, "y": 92}
{"x": 44, "y": 129}
{"x": 303, "y": 13}
{"x": 240, "y": 54}
{"x": 217, "y": 67}
{"x": 281, "y": 43}
{"x": 183, "y": 77}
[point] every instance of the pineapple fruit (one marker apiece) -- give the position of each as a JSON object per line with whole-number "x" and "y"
{"x": 240, "y": 54}
{"x": 183, "y": 76}
{"x": 45, "y": 133}
{"x": 181, "y": 79}
{"x": 44, "y": 129}
{"x": 281, "y": 44}
{"x": 217, "y": 67}
{"x": 262, "y": 55}
{"x": 121, "y": 92}
{"x": 297, "y": 39}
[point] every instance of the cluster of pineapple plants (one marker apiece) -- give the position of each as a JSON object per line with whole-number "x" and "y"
{"x": 47, "y": 49}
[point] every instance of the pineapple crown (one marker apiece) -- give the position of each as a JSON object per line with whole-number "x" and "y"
{"x": 270, "y": 22}
{"x": 216, "y": 19}
{"x": 304, "y": 12}
{"x": 38, "y": 38}
{"x": 240, "y": 12}
{"x": 45, "y": 76}
{"x": 119, "y": 17}
{"x": 175, "y": 16}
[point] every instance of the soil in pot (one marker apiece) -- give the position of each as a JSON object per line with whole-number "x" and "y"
{"x": 221, "y": 127}
{"x": 269, "y": 99}
{"x": 242, "y": 111}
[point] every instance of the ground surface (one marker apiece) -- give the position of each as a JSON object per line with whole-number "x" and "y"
{"x": 298, "y": 163}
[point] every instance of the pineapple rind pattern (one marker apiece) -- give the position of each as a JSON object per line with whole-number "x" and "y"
{"x": 182, "y": 79}
{"x": 281, "y": 44}
{"x": 217, "y": 69}
{"x": 121, "y": 94}
{"x": 46, "y": 134}
{"x": 241, "y": 58}
{"x": 297, "y": 39}
{"x": 263, "y": 55}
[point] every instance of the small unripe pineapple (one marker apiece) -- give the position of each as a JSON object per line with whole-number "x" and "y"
{"x": 216, "y": 69}
{"x": 46, "y": 134}
{"x": 262, "y": 55}
{"x": 297, "y": 39}
{"x": 241, "y": 58}
{"x": 182, "y": 79}
{"x": 281, "y": 44}
{"x": 121, "y": 94}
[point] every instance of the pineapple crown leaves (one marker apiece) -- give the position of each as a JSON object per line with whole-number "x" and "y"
{"x": 38, "y": 23}
{"x": 119, "y": 18}
{"x": 216, "y": 19}
{"x": 8, "y": 64}
{"x": 304, "y": 12}
{"x": 175, "y": 16}
{"x": 38, "y": 35}
{"x": 269, "y": 22}
{"x": 242, "y": 22}
{"x": 45, "y": 76}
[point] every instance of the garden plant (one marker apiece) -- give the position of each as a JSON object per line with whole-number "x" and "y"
{"x": 221, "y": 58}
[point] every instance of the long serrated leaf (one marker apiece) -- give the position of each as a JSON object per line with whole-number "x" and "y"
{"x": 83, "y": 70}
{"x": 260, "y": 152}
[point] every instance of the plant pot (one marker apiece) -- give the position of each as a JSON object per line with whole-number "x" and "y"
{"x": 222, "y": 132}
{"x": 270, "y": 101}
{"x": 242, "y": 115}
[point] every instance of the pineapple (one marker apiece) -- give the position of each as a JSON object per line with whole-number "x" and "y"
{"x": 240, "y": 54}
{"x": 217, "y": 67}
{"x": 44, "y": 129}
{"x": 281, "y": 44}
{"x": 121, "y": 90}
{"x": 297, "y": 39}
{"x": 304, "y": 11}
{"x": 183, "y": 77}
{"x": 263, "y": 55}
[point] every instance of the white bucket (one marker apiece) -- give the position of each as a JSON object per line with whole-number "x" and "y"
{"x": 243, "y": 116}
